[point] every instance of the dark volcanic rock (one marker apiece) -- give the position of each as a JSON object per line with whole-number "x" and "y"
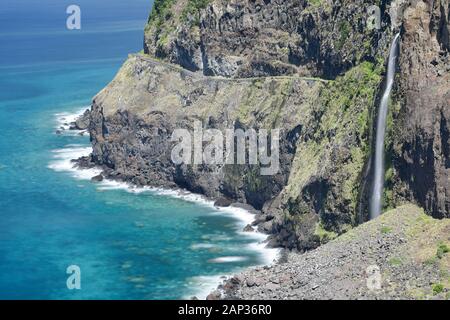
{"x": 82, "y": 123}
{"x": 421, "y": 140}
{"x": 223, "y": 202}
{"x": 216, "y": 295}
{"x": 264, "y": 38}
{"x": 263, "y": 48}
{"x": 97, "y": 178}
{"x": 85, "y": 163}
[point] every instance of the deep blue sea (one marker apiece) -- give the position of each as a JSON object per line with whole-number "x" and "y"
{"x": 128, "y": 244}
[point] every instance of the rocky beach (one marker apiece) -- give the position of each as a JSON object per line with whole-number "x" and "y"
{"x": 404, "y": 251}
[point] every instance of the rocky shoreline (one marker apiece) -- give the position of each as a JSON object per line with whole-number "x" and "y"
{"x": 314, "y": 71}
{"x": 398, "y": 243}
{"x": 403, "y": 252}
{"x": 134, "y": 146}
{"x": 220, "y": 202}
{"x": 326, "y": 120}
{"x": 81, "y": 124}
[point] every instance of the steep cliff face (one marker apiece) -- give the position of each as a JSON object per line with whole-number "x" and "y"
{"x": 323, "y": 140}
{"x": 248, "y": 38}
{"x": 420, "y": 149}
{"x": 310, "y": 68}
{"x": 134, "y": 117}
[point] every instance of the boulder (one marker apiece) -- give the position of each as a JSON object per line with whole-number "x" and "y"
{"x": 82, "y": 123}
{"x": 223, "y": 202}
{"x": 97, "y": 178}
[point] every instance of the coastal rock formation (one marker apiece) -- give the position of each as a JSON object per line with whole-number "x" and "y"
{"x": 323, "y": 140}
{"x": 312, "y": 69}
{"x": 82, "y": 123}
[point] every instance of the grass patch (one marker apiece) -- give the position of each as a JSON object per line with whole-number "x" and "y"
{"x": 437, "y": 288}
{"x": 315, "y": 3}
{"x": 385, "y": 230}
{"x": 395, "y": 262}
{"x": 442, "y": 250}
{"x": 344, "y": 29}
{"x": 323, "y": 234}
{"x": 431, "y": 261}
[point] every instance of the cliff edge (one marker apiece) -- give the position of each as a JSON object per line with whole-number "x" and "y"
{"x": 314, "y": 70}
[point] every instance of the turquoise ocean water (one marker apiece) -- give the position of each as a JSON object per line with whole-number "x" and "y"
{"x": 129, "y": 244}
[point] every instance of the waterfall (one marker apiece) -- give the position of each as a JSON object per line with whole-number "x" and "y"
{"x": 378, "y": 178}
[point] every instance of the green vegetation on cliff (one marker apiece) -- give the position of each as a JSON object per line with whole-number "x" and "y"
{"x": 338, "y": 133}
{"x": 192, "y": 10}
{"x": 161, "y": 12}
{"x": 269, "y": 107}
{"x": 167, "y": 14}
{"x": 328, "y": 123}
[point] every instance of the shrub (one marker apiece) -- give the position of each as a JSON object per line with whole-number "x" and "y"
{"x": 192, "y": 9}
{"x": 442, "y": 250}
{"x": 437, "y": 288}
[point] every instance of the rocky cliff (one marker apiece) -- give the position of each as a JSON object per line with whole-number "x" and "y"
{"x": 246, "y": 38}
{"x": 420, "y": 129}
{"x": 313, "y": 69}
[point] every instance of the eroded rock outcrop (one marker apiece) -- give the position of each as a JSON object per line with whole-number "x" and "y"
{"x": 312, "y": 69}
{"x": 420, "y": 131}
{"x": 323, "y": 140}
{"x": 247, "y": 38}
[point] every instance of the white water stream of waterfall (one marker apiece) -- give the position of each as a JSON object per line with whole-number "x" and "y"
{"x": 376, "y": 200}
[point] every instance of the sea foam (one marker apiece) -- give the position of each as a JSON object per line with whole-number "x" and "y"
{"x": 203, "y": 285}
{"x": 65, "y": 119}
